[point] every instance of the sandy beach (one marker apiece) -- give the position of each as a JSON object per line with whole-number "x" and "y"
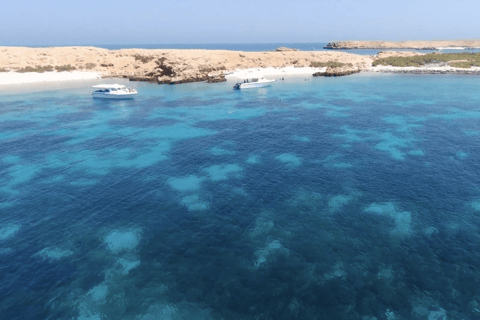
{"x": 275, "y": 72}
{"x": 15, "y": 78}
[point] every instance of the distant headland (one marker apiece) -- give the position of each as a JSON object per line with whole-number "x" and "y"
{"x": 413, "y": 45}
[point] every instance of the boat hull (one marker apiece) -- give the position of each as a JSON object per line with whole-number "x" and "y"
{"x": 250, "y": 85}
{"x": 114, "y": 96}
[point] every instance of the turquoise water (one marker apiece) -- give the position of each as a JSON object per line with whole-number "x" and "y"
{"x": 345, "y": 198}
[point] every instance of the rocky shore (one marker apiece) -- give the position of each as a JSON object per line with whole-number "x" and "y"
{"x": 337, "y": 71}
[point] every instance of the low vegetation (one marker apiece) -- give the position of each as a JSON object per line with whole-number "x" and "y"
{"x": 39, "y": 69}
{"x": 208, "y": 69}
{"x": 90, "y": 66}
{"x": 333, "y": 64}
{"x": 3, "y": 70}
{"x": 143, "y": 59}
{"x": 468, "y": 60}
{"x": 64, "y": 68}
{"x": 462, "y": 64}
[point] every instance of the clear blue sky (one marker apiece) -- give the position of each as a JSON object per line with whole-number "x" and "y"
{"x": 52, "y": 22}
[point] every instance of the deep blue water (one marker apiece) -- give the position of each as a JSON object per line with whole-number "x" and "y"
{"x": 346, "y": 198}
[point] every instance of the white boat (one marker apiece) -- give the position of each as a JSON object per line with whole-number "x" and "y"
{"x": 253, "y": 81}
{"x": 113, "y": 91}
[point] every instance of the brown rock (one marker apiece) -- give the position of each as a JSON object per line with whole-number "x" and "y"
{"x": 337, "y": 72}
{"x": 217, "y": 79}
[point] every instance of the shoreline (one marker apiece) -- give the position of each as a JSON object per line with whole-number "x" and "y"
{"x": 71, "y": 78}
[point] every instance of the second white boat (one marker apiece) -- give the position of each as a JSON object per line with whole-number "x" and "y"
{"x": 113, "y": 91}
{"x": 253, "y": 81}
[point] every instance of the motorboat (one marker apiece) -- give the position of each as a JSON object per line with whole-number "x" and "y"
{"x": 113, "y": 91}
{"x": 253, "y": 81}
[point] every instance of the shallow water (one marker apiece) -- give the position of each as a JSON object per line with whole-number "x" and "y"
{"x": 345, "y": 198}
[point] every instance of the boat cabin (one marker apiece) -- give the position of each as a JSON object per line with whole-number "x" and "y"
{"x": 251, "y": 79}
{"x": 109, "y": 87}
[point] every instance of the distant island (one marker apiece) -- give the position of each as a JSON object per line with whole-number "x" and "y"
{"x": 414, "y": 45}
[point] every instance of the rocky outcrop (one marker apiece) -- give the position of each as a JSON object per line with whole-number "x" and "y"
{"x": 333, "y": 45}
{"x": 280, "y": 49}
{"x": 217, "y": 79}
{"x": 174, "y": 72}
{"x": 337, "y": 71}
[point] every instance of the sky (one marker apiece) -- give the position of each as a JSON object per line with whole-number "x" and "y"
{"x": 54, "y": 22}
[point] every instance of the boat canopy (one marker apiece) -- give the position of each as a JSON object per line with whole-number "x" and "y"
{"x": 109, "y": 86}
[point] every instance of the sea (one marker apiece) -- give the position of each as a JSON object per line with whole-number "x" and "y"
{"x": 324, "y": 198}
{"x": 259, "y": 47}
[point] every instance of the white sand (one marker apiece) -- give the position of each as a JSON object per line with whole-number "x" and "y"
{"x": 14, "y": 78}
{"x": 275, "y": 72}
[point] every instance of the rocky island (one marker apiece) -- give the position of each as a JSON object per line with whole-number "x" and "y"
{"x": 174, "y": 66}
{"x": 167, "y": 66}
